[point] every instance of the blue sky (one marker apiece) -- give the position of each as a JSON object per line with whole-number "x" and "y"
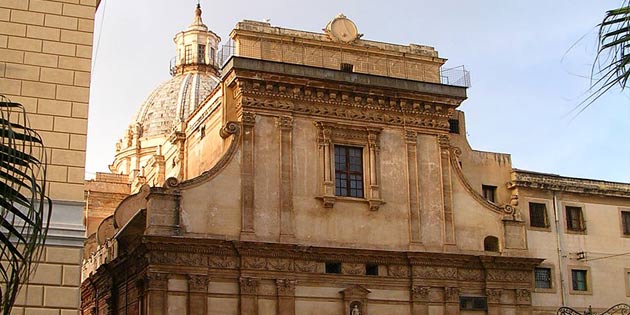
{"x": 529, "y": 64}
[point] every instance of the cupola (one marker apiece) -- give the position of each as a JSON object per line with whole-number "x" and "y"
{"x": 196, "y": 47}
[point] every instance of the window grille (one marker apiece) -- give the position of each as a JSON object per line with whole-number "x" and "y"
{"x": 542, "y": 277}
{"x": 538, "y": 215}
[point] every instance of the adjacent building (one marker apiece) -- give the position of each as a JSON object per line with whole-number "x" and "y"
{"x": 291, "y": 172}
{"x": 45, "y": 63}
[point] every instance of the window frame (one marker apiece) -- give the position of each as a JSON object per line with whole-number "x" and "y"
{"x": 545, "y": 204}
{"x": 489, "y": 188}
{"x": 188, "y": 54}
{"x": 201, "y": 54}
{"x": 587, "y": 280}
{"x": 622, "y": 226}
{"x": 336, "y": 134}
{"x": 349, "y": 172}
{"x": 552, "y": 281}
{"x": 581, "y": 221}
{"x": 626, "y": 273}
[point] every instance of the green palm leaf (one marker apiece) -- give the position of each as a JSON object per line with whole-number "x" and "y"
{"x": 24, "y": 207}
{"x": 612, "y": 63}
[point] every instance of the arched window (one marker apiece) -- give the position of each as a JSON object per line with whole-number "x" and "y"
{"x": 491, "y": 244}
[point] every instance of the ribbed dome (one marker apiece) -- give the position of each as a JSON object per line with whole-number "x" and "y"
{"x": 173, "y": 101}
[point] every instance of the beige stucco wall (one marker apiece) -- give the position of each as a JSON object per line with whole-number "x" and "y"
{"x": 603, "y": 238}
{"x": 45, "y": 61}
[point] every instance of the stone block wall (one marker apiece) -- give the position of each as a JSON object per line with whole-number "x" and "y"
{"x": 45, "y": 64}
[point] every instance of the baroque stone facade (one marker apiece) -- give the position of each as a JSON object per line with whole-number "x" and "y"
{"x": 323, "y": 174}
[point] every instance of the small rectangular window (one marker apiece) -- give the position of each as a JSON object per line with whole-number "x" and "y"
{"x": 371, "y": 269}
{"x": 538, "y": 215}
{"x": 453, "y": 126}
{"x": 542, "y": 277}
{"x": 202, "y": 132}
{"x": 201, "y": 53}
{"x": 333, "y": 267}
{"x": 489, "y": 192}
{"x": 348, "y": 171}
{"x": 347, "y": 67}
{"x": 473, "y": 303}
{"x": 578, "y": 280}
{"x": 188, "y": 54}
{"x": 575, "y": 219}
{"x": 625, "y": 221}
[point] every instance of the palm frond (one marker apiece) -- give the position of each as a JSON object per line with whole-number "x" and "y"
{"x": 612, "y": 62}
{"x": 24, "y": 207}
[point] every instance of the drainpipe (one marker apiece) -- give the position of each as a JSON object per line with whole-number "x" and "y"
{"x": 560, "y": 248}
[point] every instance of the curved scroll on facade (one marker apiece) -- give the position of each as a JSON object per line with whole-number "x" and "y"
{"x": 231, "y": 128}
{"x": 505, "y": 209}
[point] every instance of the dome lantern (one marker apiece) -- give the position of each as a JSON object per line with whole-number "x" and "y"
{"x": 196, "y": 47}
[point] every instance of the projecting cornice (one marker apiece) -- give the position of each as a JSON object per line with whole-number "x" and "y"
{"x": 552, "y": 182}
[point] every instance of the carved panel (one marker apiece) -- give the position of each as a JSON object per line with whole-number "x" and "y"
{"x": 279, "y": 264}
{"x": 172, "y": 258}
{"x": 470, "y": 274}
{"x": 352, "y": 269}
{"x": 398, "y": 271}
{"x": 501, "y": 275}
{"x": 222, "y": 262}
{"x": 306, "y": 266}
{"x": 431, "y": 272}
{"x": 258, "y": 263}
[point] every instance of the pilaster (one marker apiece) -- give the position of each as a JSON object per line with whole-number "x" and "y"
{"x": 248, "y": 119}
{"x": 286, "y": 296}
{"x": 411, "y": 139}
{"x": 447, "y": 190}
{"x": 249, "y": 297}
{"x": 287, "y": 229}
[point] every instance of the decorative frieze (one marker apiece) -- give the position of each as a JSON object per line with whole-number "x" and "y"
{"x": 431, "y": 272}
{"x": 504, "y": 275}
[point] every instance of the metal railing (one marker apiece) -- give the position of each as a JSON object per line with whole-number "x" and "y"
{"x": 457, "y": 76}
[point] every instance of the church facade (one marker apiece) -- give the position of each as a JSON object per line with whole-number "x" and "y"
{"x": 319, "y": 173}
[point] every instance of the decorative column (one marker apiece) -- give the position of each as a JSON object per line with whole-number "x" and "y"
{"x": 287, "y": 232}
{"x": 249, "y": 298}
{"x": 155, "y": 293}
{"x": 248, "y": 120}
{"x": 447, "y": 190}
{"x": 197, "y": 294}
{"x": 374, "y": 198}
{"x": 324, "y": 144}
{"x": 524, "y": 302}
{"x": 411, "y": 138}
{"x": 494, "y": 301}
{"x": 451, "y": 301}
{"x": 286, "y": 296}
{"x": 420, "y": 300}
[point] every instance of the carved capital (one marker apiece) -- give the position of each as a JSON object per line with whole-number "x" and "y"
{"x": 248, "y": 119}
{"x": 523, "y": 296}
{"x": 493, "y": 295}
{"x": 198, "y": 283}
{"x": 444, "y": 141}
{"x": 156, "y": 281}
{"x": 411, "y": 136}
{"x": 420, "y": 293}
{"x": 286, "y": 287}
{"x": 284, "y": 122}
{"x": 248, "y": 285}
{"x": 451, "y": 294}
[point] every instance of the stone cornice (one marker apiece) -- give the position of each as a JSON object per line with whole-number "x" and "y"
{"x": 552, "y": 182}
{"x": 308, "y": 73}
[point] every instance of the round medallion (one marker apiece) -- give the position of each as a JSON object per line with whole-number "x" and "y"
{"x": 343, "y": 29}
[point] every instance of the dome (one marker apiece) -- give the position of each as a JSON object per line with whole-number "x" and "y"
{"x": 172, "y": 102}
